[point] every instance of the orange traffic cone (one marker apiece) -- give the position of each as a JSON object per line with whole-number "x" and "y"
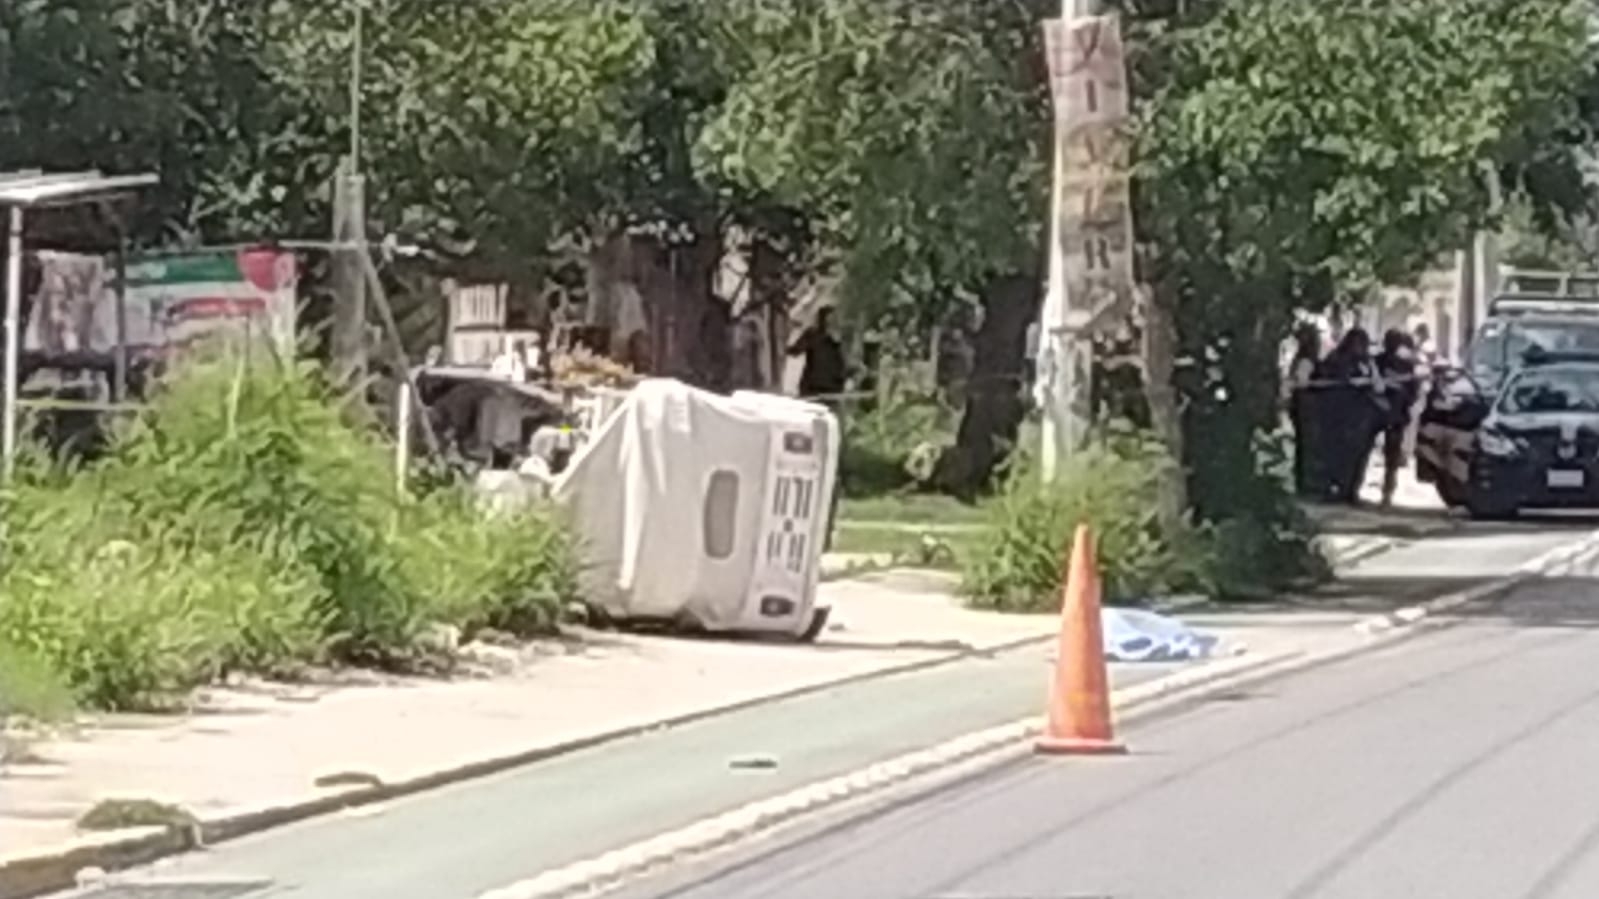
{"x": 1079, "y": 700}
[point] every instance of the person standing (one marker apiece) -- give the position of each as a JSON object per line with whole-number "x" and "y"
{"x": 1396, "y": 367}
{"x": 1302, "y": 411}
{"x": 1350, "y": 414}
{"x": 1425, "y": 351}
{"x": 824, "y": 371}
{"x": 822, "y": 380}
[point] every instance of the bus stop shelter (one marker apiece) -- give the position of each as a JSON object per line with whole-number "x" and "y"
{"x": 20, "y": 193}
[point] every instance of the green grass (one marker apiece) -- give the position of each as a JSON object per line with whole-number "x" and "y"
{"x": 919, "y": 529}
{"x": 942, "y": 550}
{"x": 911, "y": 510}
{"x": 30, "y": 688}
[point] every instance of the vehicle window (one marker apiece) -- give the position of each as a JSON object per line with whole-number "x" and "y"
{"x": 720, "y": 519}
{"x": 1553, "y": 390}
{"x": 1500, "y": 346}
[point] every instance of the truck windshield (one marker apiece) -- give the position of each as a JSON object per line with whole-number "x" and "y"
{"x": 1500, "y": 345}
{"x": 1553, "y": 390}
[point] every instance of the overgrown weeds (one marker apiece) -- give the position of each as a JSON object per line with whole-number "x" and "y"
{"x": 243, "y": 523}
{"x": 1017, "y": 563}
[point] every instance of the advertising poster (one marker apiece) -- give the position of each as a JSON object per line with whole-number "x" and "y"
{"x": 172, "y": 301}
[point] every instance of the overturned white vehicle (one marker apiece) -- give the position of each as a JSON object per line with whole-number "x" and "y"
{"x": 705, "y": 510}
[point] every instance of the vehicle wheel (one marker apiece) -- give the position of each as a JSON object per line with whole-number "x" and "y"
{"x": 1426, "y": 473}
{"x": 599, "y": 619}
{"x": 818, "y": 624}
{"x": 1450, "y": 491}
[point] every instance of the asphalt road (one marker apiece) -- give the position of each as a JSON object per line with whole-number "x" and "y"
{"x": 458, "y": 841}
{"x": 1458, "y": 764}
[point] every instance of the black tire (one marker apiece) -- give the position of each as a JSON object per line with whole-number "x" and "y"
{"x": 818, "y": 624}
{"x": 1450, "y": 491}
{"x": 599, "y": 619}
{"x": 1426, "y": 472}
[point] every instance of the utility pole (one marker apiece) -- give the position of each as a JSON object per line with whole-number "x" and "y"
{"x": 13, "y": 344}
{"x": 349, "y": 333}
{"x": 1091, "y": 276}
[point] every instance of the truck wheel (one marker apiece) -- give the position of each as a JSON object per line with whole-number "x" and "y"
{"x": 1425, "y": 472}
{"x": 1450, "y": 491}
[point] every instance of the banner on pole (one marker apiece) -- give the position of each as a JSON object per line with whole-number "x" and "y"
{"x": 171, "y": 301}
{"x": 1087, "y": 69}
{"x": 1093, "y": 217}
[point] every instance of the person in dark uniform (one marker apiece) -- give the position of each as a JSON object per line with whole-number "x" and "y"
{"x": 824, "y": 371}
{"x": 1396, "y": 366}
{"x": 1308, "y": 481}
{"x": 1352, "y": 411}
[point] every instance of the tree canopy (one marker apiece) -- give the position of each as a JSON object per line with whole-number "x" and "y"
{"x": 1291, "y": 151}
{"x": 1287, "y": 151}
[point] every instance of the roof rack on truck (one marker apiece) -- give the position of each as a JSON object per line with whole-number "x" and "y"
{"x": 1530, "y": 290}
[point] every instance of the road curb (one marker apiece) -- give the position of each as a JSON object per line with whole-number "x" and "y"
{"x": 35, "y": 873}
{"x": 1368, "y": 550}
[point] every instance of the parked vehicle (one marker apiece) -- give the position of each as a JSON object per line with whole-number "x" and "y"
{"x": 1538, "y": 443}
{"x": 1538, "y": 315}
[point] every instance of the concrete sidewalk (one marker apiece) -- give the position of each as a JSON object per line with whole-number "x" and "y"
{"x": 1348, "y": 535}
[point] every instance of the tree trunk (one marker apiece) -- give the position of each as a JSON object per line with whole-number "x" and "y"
{"x": 994, "y": 392}
{"x": 769, "y": 295}
{"x": 1159, "y": 347}
{"x": 691, "y": 327}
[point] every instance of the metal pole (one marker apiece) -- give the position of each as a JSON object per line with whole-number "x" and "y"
{"x": 119, "y": 388}
{"x": 402, "y": 433}
{"x": 8, "y": 432}
{"x": 348, "y": 335}
{"x": 355, "y": 94}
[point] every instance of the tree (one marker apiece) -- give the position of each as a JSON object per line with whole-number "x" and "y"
{"x": 1289, "y": 150}
{"x": 915, "y": 136}
{"x": 175, "y": 87}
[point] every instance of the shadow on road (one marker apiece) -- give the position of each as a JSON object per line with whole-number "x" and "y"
{"x": 1556, "y": 602}
{"x": 1414, "y": 523}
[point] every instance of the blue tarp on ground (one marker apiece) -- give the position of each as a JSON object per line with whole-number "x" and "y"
{"x": 1133, "y": 635}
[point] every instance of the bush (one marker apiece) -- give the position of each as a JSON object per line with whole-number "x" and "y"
{"x": 262, "y": 460}
{"x": 31, "y": 688}
{"x": 510, "y": 572}
{"x": 884, "y": 446}
{"x": 129, "y": 615}
{"x": 1267, "y": 543}
{"x": 241, "y": 523}
{"x": 1017, "y": 564}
